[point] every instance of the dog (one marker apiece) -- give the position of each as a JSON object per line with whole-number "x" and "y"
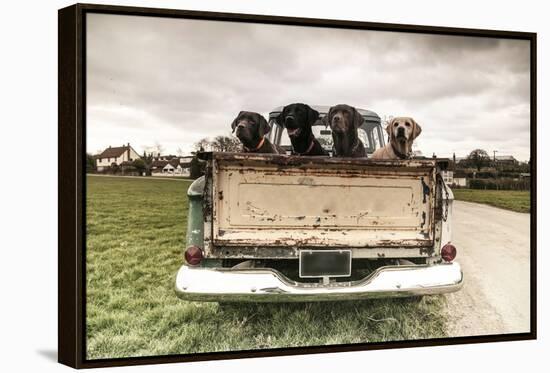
{"x": 297, "y": 119}
{"x": 344, "y": 121}
{"x": 251, "y": 128}
{"x": 401, "y": 132}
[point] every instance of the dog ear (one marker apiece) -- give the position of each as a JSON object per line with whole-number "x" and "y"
{"x": 417, "y": 130}
{"x": 329, "y": 114}
{"x": 263, "y": 126}
{"x": 389, "y": 129}
{"x": 234, "y": 124}
{"x": 312, "y": 115}
{"x": 358, "y": 119}
{"x": 280, "y": 118}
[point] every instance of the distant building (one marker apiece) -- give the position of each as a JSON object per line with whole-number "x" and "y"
{"x": 454, "y": 180}
{"x": 116, "y": 155}
{"x": 447, "y": 176}
{"x": 506, "y": 160}
{"x": 176, "y": 166}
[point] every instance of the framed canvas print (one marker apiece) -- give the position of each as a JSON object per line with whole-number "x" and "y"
{"x": 237, "y": 185}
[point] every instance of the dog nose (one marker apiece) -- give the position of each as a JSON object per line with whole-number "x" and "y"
{"x": 401, "y": 131}
{"x": 336, "y": 119}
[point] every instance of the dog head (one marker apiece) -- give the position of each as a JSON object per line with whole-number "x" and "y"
{"x": 297, "y": 119}
{"x": 250, "y": 128}
{"x": 403, "y": 130}
{"x": 344, "y": 119}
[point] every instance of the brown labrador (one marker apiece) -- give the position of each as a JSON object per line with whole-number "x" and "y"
{"x": 344, "y": 121}
{"x": 401, "y": 131}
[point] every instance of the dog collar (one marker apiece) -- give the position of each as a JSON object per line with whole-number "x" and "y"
{"x": 257, "y": 147}
{"x": 399, "y": 154}
{"x": 309, "y": 148}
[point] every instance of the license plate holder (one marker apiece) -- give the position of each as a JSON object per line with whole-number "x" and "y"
{"x": 324, "y": 263}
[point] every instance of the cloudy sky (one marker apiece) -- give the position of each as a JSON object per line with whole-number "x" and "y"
{"x": 174, "y": 81}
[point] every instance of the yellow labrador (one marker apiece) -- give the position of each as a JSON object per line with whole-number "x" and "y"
{"x": 402, "y": 131}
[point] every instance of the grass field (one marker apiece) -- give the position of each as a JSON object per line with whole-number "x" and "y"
{"x": 519, "y": 201}
{"x": 135, "y": 238}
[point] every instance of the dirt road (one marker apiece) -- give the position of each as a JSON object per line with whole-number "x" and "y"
{"x": 493, "y": 249}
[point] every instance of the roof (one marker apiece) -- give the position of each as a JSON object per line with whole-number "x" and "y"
{"x": 323, "y": 110}
{"x": 505, "y": 158}
{"x": 113, "y": 152}
{"x": 160, "y": 164}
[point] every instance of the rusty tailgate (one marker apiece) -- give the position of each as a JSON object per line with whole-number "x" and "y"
{"x": 278, "y": 201}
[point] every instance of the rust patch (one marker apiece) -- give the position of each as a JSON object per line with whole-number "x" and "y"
{"x": 427, "y": 251}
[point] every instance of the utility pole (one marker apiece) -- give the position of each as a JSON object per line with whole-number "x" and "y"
{"x": 495, "y": 155}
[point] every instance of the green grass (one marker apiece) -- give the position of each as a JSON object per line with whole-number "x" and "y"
{"x": 135, "y": 237}
{"x": 519, "y": 201}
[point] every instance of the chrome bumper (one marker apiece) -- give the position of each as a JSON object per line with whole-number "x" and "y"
{"x": 268, "y": 285}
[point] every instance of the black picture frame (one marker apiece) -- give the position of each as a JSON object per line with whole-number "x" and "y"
{"x": 72, "y": 187}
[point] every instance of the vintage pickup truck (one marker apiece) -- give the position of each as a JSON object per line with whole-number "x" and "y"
{"x": 278, "y": 228}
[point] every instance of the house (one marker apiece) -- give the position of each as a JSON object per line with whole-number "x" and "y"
{"x": 460, "y": 179}
{"x": 157, "y": 166}
{"x": 454, "y": 179}
{"x": 505, "y": 160}
{"x": 115, "y": 155}
{"x": 172, "y": 167}
{"x": 447, "y": 176}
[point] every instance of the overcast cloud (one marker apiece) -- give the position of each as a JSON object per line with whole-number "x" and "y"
{"x": 175, "y": 81}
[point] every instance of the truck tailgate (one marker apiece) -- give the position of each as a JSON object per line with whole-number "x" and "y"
{"x": 269, "y": 200}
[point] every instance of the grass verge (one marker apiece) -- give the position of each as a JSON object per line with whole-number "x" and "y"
{"x": 519, "y": 201}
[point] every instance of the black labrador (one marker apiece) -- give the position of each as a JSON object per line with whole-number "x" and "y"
{"x": 251, "y": 128}
{"x": 298, "y": 119}
{"x": 344, "y": 121}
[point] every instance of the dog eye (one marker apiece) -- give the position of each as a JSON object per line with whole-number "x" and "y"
{"x": 407, "y": 124}
{"x": 395, "y": 124}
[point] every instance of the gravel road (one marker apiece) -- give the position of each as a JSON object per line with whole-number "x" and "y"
{"x": 493, "y": 249}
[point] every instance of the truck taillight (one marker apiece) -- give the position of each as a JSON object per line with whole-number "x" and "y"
{"x": 193, "y": 255}
{"x": 448, "y": 252}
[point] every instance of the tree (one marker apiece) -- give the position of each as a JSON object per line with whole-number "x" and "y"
{"x": 202, "y": 145}
{"x": 226, "y": 144}
{"x": 479, "y": 158}
{"x": 147, "y": 162}
{"x": 155, "y": 150}
{"x": 90, "y": 163}
{"x": 218, "y": 144}
{"x": 139, "y": 165}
